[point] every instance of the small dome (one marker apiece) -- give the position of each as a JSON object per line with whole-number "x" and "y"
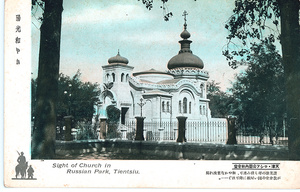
{"x": 185, "y": 34}
{"x": 185, "y": 59}
{"x": 118, "y": 60}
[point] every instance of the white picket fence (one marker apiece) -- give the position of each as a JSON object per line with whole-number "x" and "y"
{"x": 212, "y": 131}
{"x": 265, "y": 140}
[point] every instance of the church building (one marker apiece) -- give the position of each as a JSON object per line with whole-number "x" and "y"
{"x": 180, "y": 90}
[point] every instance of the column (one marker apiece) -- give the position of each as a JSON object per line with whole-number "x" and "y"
{"x": 68, "y": 128}
{"x": 139, "y": 136}
{"x": 181, "y": 129}
{"x": 161, "y": 133}
{"x": 231, "y": 130}
{"x": 124, "y": 132}
{"x": 103, "y": 127}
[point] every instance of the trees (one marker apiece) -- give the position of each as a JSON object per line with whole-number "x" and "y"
{"x": 252, "y": 20}
{"x": 166, "y": 14}
{"x": 248, "y": 26}
{"x": 76, "y": 98}
{"x": 43, "y": 140}
{"x": 290, "y": 41}
{"x": 33, "y": 98}
{"x": 259, "y": 91}
{"x": 113, "y": 120}
{"x": 220, "y": 102}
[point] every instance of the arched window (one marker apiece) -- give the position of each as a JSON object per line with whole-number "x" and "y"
{"x": 113, "y": 77}
{"x": 107, "y": 77}
{"x": 168, "y": 106}
{"x": 184, "y": 105}
{"x": 190, "y": 107}
{"x": 204, "y": 112}
{"x": 202, "y": 90}
{"x": 127, "y": 77}
{"x": 200, "y": 110}
{"x": 122, "y": 77}
{"x": 163, "y": 106}
{"x": 179, "y": 106}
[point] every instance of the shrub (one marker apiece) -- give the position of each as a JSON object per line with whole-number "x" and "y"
{"x": 85, "y": 131}
{"x": 113, "y": 119}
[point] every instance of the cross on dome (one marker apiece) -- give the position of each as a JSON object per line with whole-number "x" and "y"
{"x": 185, "y": 13}
{"x": 185, "y": 57}
{"x": 185, "y": 34}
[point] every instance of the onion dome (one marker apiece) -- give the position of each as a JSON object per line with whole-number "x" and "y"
{"x": 118, "y": 59}
{"x": 185, "y": 60}
{"x": 185, "y": 34}
{"x": 185, "y": 57}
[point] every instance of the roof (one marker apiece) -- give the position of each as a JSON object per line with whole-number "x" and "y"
{"x": 185, "y": 59}
{"x": 151, "y": 71}
{"x": 169, "y": 81}
{"x": 156, "y": 92}
{"x": 118, "y": 59}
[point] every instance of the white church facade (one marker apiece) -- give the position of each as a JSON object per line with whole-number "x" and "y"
{"x": 159, "y": 96}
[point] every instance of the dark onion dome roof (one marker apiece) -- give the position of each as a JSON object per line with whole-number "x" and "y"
{"x": 185, "y": 34}
{"x": 185, "y": 57}
{"x": 118, "y": 59}
{"x": 184, "y": 60}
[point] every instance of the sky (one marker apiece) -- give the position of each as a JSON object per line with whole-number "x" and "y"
{"x": 94, "y": 30}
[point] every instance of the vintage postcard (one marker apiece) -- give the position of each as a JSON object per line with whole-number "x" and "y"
{"x": 141, "y": 94}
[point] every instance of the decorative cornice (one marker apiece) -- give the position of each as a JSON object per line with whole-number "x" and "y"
{"x": 189, "y": 71}
{"x": 117, "y": 65}
{"x": 134, "y": 82}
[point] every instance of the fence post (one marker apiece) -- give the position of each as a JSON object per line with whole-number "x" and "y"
{"x": 74, "y": 133}
{"x": 139, "y": 136}
{"x": 231, "y": 130}
{"x": 161, "y": 133}
{"x": 103, "y": 125}
{"x": 123, "y": 131}
{"x": 68, "y": 128}
{"x": 181, "y": 129}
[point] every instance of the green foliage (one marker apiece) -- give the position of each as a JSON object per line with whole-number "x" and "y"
{"x": 220, "y": 102}
{"x": 252, "y": 23}
{"x": 113, "y": 113}
{"x": 259, "y": 91}
{"x": 256, "y": 19}
{"x": 86, "y": 131}
{"x": 75, "y": 97}
{"x": 113, "y": 119}
{"x": 131, "y": 135}
{"x": 166, "y": 13}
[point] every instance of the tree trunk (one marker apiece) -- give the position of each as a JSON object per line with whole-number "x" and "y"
{"x": 43, "y": 140}
{"x": 289, "y": 12}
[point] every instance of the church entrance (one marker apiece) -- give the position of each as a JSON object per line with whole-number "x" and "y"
{"x": 124, "y": 111}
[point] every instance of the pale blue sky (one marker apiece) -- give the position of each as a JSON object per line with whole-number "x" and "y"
{"x": 94, "y": 30}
